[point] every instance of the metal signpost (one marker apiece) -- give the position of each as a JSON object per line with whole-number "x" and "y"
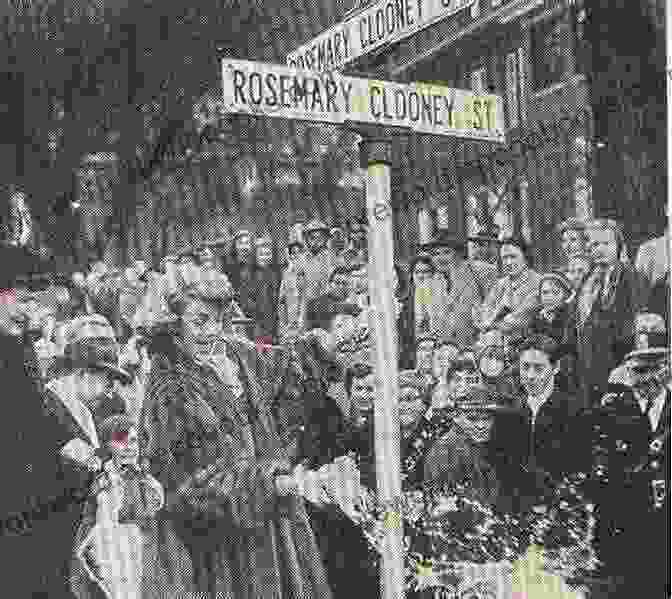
{"x": 278, "y": 91}
{"x": 384, "y": 22}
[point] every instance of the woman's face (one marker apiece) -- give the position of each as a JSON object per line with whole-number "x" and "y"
{"x": 125, "y": 447}
{"x": 551, "y": 295}
{"x": 201, "y": 326}
{"x": 462, "y": 382}
{"x": 577, "y": 269}
{"x": 476, "y": 423}
{"x": 264, "y": 255}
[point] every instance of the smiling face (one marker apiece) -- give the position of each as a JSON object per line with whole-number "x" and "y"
{"x": 537, "y": 372}
{"x": 513, "y": 260}
{"x": 201, "y": 325}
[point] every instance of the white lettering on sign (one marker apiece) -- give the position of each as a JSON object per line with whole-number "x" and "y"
{"x": 275, "y": 90}
{"x": 385, "y": 22}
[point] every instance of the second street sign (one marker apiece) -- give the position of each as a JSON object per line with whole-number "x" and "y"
{"x": 384, "y": 22}
{"x": 274, "y": 90}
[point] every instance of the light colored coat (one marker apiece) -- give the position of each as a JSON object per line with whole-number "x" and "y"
{"x": 520, "y": 296}
{"x": 451, "y": 311}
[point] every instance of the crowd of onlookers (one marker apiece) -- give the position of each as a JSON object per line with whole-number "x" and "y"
{"x": 501, "y": 368}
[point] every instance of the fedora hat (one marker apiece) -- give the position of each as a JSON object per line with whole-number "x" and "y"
{"x": 90, "y": 343}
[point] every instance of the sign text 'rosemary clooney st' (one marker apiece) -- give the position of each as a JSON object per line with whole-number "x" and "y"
{"x": 274, "y": 90}
{"x": 384, "y": 22}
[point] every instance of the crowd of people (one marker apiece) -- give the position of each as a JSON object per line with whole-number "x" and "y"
{"x": 211, "y": 406}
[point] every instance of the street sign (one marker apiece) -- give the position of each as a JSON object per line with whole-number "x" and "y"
{"x": 264, "y": 89}
{"x": 385, "y": 22}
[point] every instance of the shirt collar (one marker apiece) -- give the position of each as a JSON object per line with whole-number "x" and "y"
{"x": 535, "y": 402}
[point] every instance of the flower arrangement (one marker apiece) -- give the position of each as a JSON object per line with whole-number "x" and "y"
{"x": 444, "y": 528}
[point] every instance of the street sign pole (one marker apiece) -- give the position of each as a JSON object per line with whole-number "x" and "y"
{"x": 377, "y": 155}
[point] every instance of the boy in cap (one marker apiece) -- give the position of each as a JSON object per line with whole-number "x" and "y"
{"x": 459, "y": 457}
{"x": 552, "y": 316}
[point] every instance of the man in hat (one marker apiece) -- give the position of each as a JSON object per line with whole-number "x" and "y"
{"x": 510, "y": 304}
{"x": 319, "y": 262}
{"x": 211, "y": 422}
{"x": 461, "y": 286}
{"x": 634, "y": 433}
{"x": 484, "y": 246}
{"x": 292, "y": 288}
{"x": 573, "y": 237}
{"x": 605, "y": 310}
{"x": 459, "y": 457}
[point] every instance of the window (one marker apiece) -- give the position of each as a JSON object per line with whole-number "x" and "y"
{"x": 477, "y": 82}
{"x": 551, "y": 48}
{"x": 515, "y": 86}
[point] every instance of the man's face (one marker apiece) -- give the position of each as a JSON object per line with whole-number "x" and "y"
{"x": 19, "y": 313}
{"x": 243, "y": 246}
{"x": 603, "y": 247}
{"x": 577, "y": 269}
{"x": 443, "y": 358}
{"x": 537, "y": 372}
{"x": 411, "y": 408}
{"x": 264, "y": 255}
{"x": 295, "y": 251}
{"x": 316, "y": 241}
{"x": 573, "y": 241}
{"x": 201, "y": 326}
{"x": 422, "y": 274}
{"x": 424, "y": 356}
{"x": 125, "y": 447}
{"x": 462, "y": 382}
{"x": 362, "y": 394}
{"x": 342, "y": 335}
{"x": 476, "y": 423}
{"x": 339, "y": 286}
{"x": 513, "y": 260}
{"x": 359, "y": 281}
{"x": 443, "y": 257}
{"x": 552, "y": 296}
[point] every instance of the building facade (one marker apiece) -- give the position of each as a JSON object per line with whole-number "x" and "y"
{"x": 227, "y": 172}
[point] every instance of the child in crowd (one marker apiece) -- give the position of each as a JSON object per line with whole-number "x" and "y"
{"x": 116, "y": 547}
